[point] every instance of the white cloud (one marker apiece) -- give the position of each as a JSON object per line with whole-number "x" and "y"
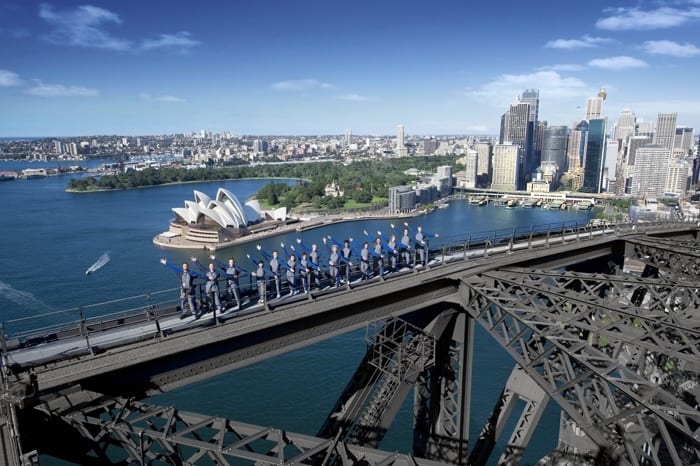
{"x": 667, "y": 47}
{"x": 180, "y": 41}
{"x": 583, "y": 42}
{"x": 617, "y": 63}
{"x": 355, "y": 97}
{"x": 634, "y": 19}
{"x": 83, "y": 27}
{"x": 9, "y": 78}
{"x": 86, "y": 26}
{"x": 160, "y": 98}
{"x": 561, "y": 67}
{"x": 300, "y": 85}
{"x": 506, "y": 87}
{"x": 59, "y": 90}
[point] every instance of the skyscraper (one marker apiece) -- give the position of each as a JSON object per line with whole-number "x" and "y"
{"x": 684, "y": 138}
{"x": 650, "y": 170}
{"x": 506, "y": 167}
{"x": 518, "y": 130}
{"x": 595, "y": 156}
{"x": 554, "y": 146}
{"x": 400, "y": 143}
{"x": 470, "y": 167}
{"x": 665, "y": 130}
{"x": 625, "y": 125}
{"x": 576, "y": 146}
{"x": 633, "y": 143}
{"x": 532, "y": 97}
{"x": 348, "y": 137}
{"x": 677, "y": 181}
{"x": 483, "y": 167}
{"x": 594, "y": 105}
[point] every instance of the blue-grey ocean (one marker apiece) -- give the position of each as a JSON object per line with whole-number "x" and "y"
{"x": 49, "y": 238}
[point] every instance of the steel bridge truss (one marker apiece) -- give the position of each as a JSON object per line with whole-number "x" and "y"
{"x": 613, "y": 352}
{"x": 150, "y": 434}
{"x": 679, "y": 259}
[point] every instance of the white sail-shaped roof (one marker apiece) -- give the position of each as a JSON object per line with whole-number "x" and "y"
{"x": 229, "y": 199}
{"x": 226, "y": 210}
{"x": 201, "y": 198}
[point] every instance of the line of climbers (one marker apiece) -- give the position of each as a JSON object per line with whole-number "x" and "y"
{"x": 302, "y": 268}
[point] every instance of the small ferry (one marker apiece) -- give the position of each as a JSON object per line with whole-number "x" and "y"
{"x": 512, "y": 203}
{"x": 584, "y": 206}
{"x": 501, "y": 202}
{"x": 529, "y": 204}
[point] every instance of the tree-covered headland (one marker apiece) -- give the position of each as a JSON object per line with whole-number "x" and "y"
{"x": 362, "y": 182}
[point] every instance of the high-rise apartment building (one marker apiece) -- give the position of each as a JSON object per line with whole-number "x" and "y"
{"x": 401, "y": 199}
{"x": 348, "y": 138}
{"x": 506, "y": 167}
{"x": 554, "y": 146}
{"x": 665, "y": 130}
{"x": 400, "y": 142}
{"x": 470, "y": 168}
{"x": 595, "y": 156}
{"x": 650, "y": 172}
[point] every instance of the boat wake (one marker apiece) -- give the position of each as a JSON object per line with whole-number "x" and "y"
{"x": 23, "y": 298}
{"x": 101, "y": 262}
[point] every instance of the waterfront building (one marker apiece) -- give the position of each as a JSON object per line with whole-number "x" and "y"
{"x": 506, "y": 167}
{"x": 426, "y": 193}
{"x": 665, "y": 130}
{"x": 402, "y": 199}
{"x": 554, "y": 146}
{"x": 538, "y": 184}
{"x": 594, "y": 158}
{"x": 650, "y": 172}
{"x": 58, "y": 147}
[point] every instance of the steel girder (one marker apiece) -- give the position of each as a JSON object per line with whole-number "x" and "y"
{"x": 442, "y": 401}
{"x": 679, "y": 259}
{"x": 556, "y": 335}
{"x": 152, "y": 435}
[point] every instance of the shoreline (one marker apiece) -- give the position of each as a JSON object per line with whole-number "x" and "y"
{"x": 177, "y": 242}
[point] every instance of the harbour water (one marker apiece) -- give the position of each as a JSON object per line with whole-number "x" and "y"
{"x": 49, "y": 238}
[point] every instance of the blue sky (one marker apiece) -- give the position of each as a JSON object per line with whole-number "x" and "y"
{"x": 320, "y": 66}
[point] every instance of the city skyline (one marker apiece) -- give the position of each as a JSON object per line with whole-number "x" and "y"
{"x": 312, "y": 67}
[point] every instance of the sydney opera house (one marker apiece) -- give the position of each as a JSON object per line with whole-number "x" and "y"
{"x": 207, "y": 222}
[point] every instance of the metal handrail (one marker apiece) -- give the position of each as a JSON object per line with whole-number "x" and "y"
{"x": 467, "y": 246}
